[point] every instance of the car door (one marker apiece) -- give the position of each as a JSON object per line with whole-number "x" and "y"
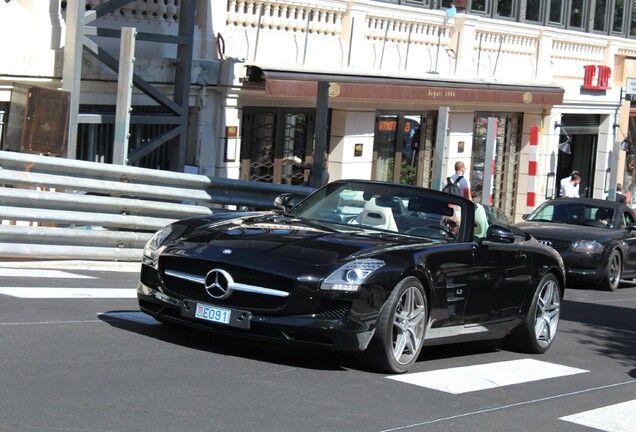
{"x": 630, "y": 241}
{"x": 500, "y": 281}
{"x": 451, "y": 267}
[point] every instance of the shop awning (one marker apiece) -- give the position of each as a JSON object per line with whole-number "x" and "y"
{"x": 296, "y": 84}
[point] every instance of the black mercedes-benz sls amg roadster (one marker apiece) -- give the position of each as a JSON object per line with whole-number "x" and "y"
{"x": 376, "y": 268}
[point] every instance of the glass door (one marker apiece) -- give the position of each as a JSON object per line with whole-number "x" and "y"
{"x": 403, "y": 148}
{"x": 272, "y": 138}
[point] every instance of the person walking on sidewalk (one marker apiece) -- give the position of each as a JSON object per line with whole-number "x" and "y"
{"x": 462, "y": 182}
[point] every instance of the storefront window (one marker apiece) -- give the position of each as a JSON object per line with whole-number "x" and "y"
{"x": 403, "y": 148}
{"x": 271, "y": 139}
{"x": 385, "y": 147}
{"x": 410, "y": 146}
{"x": 629, "y": 177}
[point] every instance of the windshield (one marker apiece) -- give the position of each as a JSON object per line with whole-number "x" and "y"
{"x": 585, "y": 214}
{"x": 387, "y": 207}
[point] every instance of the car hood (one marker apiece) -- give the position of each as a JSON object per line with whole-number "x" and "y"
{"x": 563, "y": 231}
{"x": 271, "y": 238}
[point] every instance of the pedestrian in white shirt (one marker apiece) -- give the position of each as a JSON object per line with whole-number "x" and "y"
{"x": 566, "y": 180}
{"x": 571, "y": 188}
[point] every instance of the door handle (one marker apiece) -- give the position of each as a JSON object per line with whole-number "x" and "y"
{"x": 520, "y": 257}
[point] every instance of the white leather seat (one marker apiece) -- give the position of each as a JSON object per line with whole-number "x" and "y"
{"x": 376, "y": 216}
{"x": 481, "y": 221}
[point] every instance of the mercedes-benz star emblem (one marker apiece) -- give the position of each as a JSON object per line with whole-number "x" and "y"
{"x": 218, "y": 284}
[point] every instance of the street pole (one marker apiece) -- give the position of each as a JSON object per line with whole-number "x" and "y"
{"x": 440, "y": 147}
{"x": 320, "y": 147}
{"x": 491, "y": 144}
{"x": 72, "y": 69}
{"x": 124, "y": 95}
{"x": 616, "y": 151}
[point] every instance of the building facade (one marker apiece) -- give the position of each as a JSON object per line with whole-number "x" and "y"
{"x": 388, "y": 90}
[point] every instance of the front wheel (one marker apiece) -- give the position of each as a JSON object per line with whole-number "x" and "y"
{"x": 400, "y": 328}
{"x": 538, "y": 331}
{"x": 613, "y": 272}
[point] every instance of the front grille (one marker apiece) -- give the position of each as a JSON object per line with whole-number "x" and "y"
{"x": 149, "y": 277}
{"x": 333, "y": 309}
{"x": 181, "y": 288}
{"x": 558, "y": 245}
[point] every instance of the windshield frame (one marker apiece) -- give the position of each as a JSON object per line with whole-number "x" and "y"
{"x": 340, "y": 205}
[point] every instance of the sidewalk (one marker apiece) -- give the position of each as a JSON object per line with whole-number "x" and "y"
{"x": 112, "y": 266}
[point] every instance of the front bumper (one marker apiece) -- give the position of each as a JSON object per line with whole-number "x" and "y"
{"x": 584, "y": 267}
{"x": 336, "y": 333}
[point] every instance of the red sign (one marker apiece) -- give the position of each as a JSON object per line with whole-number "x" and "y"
{"x": 602, "y": 81}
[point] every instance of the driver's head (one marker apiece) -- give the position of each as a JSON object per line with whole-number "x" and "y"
{"x": 453, "y": 222}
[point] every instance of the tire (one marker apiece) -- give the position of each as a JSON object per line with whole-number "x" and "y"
{"x": 538, "y": 330}
{"x": 400, "y": 328}
{"x": 613, "y": 272}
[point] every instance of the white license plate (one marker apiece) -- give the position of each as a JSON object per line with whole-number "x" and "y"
{"x": 214, "y": 314}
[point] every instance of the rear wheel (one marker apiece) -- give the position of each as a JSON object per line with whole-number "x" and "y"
{"x": 537, "y": 332}
{"x": 400, "y": 328}
{"x": 613, "y": 272}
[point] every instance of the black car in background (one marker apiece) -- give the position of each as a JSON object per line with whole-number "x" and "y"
{"x": 596, "y": 238}
{"x": 361, "y": 266}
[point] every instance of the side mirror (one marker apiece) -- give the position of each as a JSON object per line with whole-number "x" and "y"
{"x": 284, "y": 201}
{"x": 499, "y": 234}
{"x": 631, "y": 227}
{"x": 525, "y": 216}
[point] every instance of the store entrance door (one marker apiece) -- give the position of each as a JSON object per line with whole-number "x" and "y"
{"x": 271, "y": 138}
{"x": 403, "y": 148}
{"x": 582, "y": 158}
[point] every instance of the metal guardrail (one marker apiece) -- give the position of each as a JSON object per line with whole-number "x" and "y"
{"x": 56, "y": 208}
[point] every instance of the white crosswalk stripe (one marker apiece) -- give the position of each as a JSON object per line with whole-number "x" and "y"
{"x": 486, "y": 376}
{"x": 68, "y": 293}
{"x": 35, "y": 273}
{"x": 614, "y": 418}
{"x": 41, "y": 292}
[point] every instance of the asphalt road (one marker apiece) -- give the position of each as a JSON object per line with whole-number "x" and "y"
{"x": 77, "y": 355}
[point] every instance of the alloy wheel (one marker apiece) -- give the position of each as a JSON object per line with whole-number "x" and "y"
{"x": 614, "y": 271}
{"x": 547, "y": 313}
{"x": 408, "y": 325}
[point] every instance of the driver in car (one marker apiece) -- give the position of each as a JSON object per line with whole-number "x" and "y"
{"x": 452, "y": 222}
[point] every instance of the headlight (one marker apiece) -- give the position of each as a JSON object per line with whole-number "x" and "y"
{"x": 350, "y": 276}
{"x": 588, "y": 246}
{"x": 150, "y": 250}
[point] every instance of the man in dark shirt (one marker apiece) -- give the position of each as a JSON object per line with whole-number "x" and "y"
{"x": 620, "y": 197}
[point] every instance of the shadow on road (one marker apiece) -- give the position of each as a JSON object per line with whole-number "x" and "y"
{"x": 270, "y": 352}
{"x": 608, "y": 329}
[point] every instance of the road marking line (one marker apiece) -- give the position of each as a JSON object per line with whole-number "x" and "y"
{"x": 109, "y": 266}
{"x": 614, "y": 418}
{"x": 486, "y": 376}
{"x": 49, "y": 322}
{"x": 34, "y": 273}
{"x": 504, "y": 407}
{"x": 68, "y": 293}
